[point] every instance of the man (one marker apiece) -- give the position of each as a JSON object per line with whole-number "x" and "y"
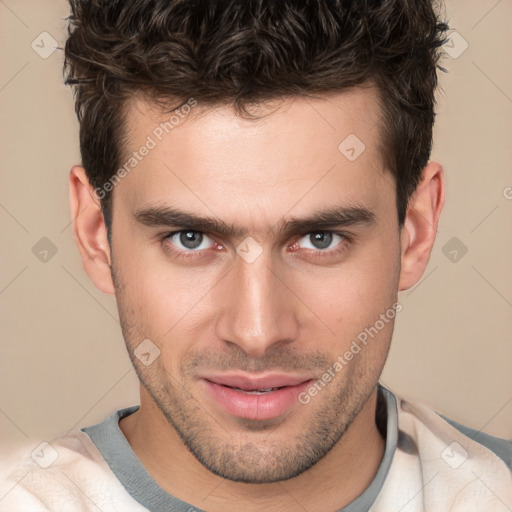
{"x": 255, "y": 190}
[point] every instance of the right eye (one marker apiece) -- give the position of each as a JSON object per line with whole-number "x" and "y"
{"x": 190, "y": 241}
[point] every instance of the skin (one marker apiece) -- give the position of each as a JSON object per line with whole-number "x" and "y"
{"x": 293, "y": 310}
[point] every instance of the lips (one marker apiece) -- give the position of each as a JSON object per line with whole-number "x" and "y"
{"x": 256, "y": 397}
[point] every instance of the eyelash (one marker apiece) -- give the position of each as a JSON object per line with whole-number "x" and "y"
{"x": 181, "y": 254}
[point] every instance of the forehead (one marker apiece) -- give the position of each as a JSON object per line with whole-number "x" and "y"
{"x": 296, "y": 153}
{"x": 357, "y": 108}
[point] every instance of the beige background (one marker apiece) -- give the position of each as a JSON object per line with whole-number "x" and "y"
{"x": 63, "y": 362}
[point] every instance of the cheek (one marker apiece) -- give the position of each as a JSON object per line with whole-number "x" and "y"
{"x": 160, "y": 297}
{"x": 167, "y": 301}
{"x": 352, "y": 297}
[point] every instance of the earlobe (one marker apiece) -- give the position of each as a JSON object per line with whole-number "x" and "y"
{"x": 90, "y": 230}
{"x": 420, "y": 226}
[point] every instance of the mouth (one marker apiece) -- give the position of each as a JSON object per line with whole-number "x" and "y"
{"x": 255, "y": 397}
{"x": 256, "y": 391}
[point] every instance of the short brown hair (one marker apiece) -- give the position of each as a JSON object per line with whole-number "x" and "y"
{"x": 243, "y": 52}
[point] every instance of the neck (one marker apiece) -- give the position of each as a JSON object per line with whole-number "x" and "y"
{"x": 338, "y": 478}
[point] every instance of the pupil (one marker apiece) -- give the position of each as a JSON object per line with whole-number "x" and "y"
{"x": 191, "y": 239}
{"x": 321, "y": 240}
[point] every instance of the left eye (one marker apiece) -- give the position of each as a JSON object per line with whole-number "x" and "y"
{"x": 191, "y": 240}
{"x": 320, "y": 240}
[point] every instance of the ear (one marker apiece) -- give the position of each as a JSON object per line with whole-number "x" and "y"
{"x": 420, "y": 226}
{"x": 90, "y": 230}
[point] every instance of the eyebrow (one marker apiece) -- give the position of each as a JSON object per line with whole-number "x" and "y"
{"x": 161, "y": 216}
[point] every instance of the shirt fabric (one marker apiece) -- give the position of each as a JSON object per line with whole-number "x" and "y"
{"x": 430, "y": 464}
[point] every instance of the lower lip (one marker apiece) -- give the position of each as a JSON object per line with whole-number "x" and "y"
{"x": 252, "y": 406}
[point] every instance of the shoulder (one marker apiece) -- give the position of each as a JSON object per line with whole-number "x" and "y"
{"x": 500, "y": 447}
{"x": 463, "y": 441}
{"x": 439, "y": 464}
{"x": 67, "y": 473}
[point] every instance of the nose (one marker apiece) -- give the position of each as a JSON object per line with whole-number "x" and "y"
{"x": 257, "y": 308}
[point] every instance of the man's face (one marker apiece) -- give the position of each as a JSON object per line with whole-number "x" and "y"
{"x": 253, "y": 253}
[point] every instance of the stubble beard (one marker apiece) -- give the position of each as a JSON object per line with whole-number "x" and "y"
{"x": 256, "y": 452}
